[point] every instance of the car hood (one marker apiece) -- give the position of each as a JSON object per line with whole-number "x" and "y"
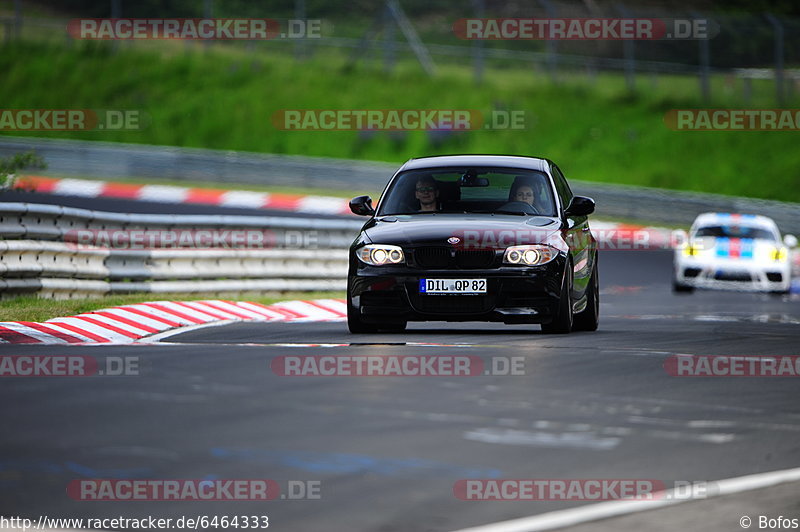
{"x": 721, "y": 248}
{"x": 479, "y": 231}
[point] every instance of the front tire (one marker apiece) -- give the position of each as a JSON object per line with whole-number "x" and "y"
{"x": 357, "y": 325}
{"x": 680, "y": 288}
{"x": 590, "y": 317}
{"x": 354, "y": 322}
{"x": 562, "y": 321}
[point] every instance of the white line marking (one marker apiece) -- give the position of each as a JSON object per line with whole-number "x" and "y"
{"x": 604, "y": 510}
{"x": 574, "y": 440}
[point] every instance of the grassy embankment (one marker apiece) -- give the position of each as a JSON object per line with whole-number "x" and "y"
{"x": 225, "y": 98}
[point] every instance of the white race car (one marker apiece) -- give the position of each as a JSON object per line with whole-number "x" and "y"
{"x": 734, "y": 252}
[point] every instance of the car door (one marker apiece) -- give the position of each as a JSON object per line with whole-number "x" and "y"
{"x": 576, "y": 234}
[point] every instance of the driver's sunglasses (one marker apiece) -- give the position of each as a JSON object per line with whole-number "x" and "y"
{"x": 425, "y": 189}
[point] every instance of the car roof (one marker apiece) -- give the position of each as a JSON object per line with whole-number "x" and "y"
{"x": 510, "y": 161}
{"x": 727, "y": 218}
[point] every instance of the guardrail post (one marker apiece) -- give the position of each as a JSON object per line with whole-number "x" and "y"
{"x": 208, "y": 12}
{"x": 704, "y": 71}
{"x": 479, "y": 7}
{"x": 778, "y": 26}
{"x": 18, "y": 19}
{"x": 300, "y": 14}
{"x": 551, "y": 46}
{"x": 628, "y": 53}
{"x": 389, "y": 40}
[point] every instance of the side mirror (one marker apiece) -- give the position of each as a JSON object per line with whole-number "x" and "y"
{"x": 362, "y": 206}
{"x": 580, "y": 206}
{"x": 790, "y": 241}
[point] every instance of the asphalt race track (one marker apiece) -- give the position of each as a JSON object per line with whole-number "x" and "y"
{"x": 387, "y": 451}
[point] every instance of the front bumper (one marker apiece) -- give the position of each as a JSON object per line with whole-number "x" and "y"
{"x": 734, "y": 275}
{"x": 514, "y": 294}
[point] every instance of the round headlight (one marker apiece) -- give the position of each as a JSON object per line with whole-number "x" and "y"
{"x": 379, "y": 256}
{"x": 531, "y": 256}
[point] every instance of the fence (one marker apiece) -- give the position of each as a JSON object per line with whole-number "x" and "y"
{"x": 743, "y": 42}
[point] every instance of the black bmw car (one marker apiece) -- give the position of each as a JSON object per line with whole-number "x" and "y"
{"x": 474, "y": 238}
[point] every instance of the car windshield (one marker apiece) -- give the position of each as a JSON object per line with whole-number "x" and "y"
{"x": 470, "y": 190}
{"x": 735, "y": 231}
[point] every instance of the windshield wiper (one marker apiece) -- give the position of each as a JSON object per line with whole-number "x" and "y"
{"x": 523, "y": 213}
{"x": 410, "y": 213}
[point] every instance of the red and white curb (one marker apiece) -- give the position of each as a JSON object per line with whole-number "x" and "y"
{"x": 172, "y": 194}
{"x": 132, "y": 323}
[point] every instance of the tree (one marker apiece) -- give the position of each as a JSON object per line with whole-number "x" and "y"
{"x": 19, "y": 161}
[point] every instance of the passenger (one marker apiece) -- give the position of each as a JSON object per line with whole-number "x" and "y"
{"x": 427, "y": 193}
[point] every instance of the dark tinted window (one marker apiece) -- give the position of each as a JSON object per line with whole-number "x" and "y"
{"x": 734, "y": 231}
{"x": 472, "y": 190}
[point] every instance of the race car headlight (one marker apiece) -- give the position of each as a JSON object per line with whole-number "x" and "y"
{"x": 378, "y": 254}
{"x": 780, "y": 254}
{"x": 692, "y": 250}
{"x": 532, "y": 255}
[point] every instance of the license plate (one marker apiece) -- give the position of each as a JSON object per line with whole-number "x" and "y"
{"x": 452, "y": 286}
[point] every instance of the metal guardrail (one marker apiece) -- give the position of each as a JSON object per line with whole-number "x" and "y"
{"x": 34, "y": 258}
{"x": 114, "y": 160}
{"x": 54, "y": 222}
{"x": 40, "y": 254}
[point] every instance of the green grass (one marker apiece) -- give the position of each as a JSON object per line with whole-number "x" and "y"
{"x": 32, "y": 308}
{"x": 224, "y": 98}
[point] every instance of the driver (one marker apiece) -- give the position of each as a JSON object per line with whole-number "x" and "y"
{"x": 522, "y": 191}
{"x": 427, "y": 193}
